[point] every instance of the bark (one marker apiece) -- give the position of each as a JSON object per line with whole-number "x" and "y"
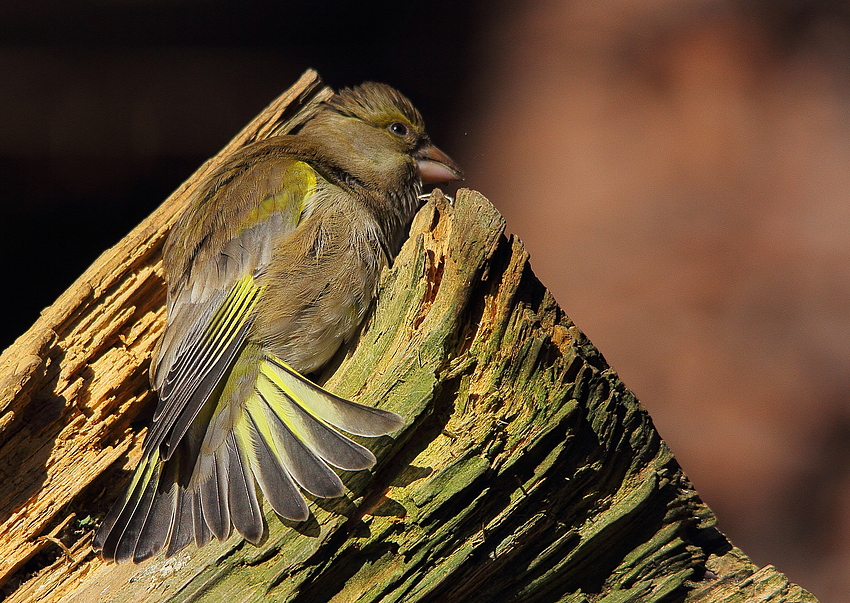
{"x": 527, "y": 471}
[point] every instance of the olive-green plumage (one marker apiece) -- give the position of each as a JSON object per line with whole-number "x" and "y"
{"x": 271, "y": 267}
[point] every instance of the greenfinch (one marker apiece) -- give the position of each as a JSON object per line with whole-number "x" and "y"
{"x": 270, "y": 269}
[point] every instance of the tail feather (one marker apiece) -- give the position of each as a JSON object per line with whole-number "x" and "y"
{"x": 244, "y": 506}
{"x": 202, "y": 532}
{"x": 213, "y": 493}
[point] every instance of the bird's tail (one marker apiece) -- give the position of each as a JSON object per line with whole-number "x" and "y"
{"x": 284, "y": 436}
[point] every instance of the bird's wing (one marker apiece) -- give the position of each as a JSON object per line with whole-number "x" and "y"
{"x": 287, "y": 431}
{"x": 282, "y": 435}
{"x": 221, "y": 242}
{"x": 264, "y": 422}
{"x": 219, "y": 245}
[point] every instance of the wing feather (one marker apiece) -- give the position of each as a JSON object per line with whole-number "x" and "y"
{"x": 244, "y": 506}
{"x": 115, "y": 537}
{"x": 220, "y": 243}
{"x": 274, "y": 479}
{"x": 349, "y": 416}
{"x": 214, "y": 501}
{"x": 159, "y": 522}
{"x": 230, "y": 416}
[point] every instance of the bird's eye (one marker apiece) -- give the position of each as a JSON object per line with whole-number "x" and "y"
{"x": 398, "y": 128}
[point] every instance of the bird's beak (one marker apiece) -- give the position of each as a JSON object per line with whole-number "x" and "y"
{"x": 435, "y": 166}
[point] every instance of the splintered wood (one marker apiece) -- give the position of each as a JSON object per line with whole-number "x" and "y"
{"x": 526, "y": 472}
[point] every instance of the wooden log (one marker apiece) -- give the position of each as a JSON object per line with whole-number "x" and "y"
{"x": 527, "y": 471}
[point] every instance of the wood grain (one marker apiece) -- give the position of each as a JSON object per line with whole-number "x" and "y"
{"x": 71, "y": 385}
{"x": 527, "y": 471}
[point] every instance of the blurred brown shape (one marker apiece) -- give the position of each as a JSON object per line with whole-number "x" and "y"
{"x": 681, "y": 173}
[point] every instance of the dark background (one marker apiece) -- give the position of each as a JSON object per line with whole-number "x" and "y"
{"x": 679, "y": 171}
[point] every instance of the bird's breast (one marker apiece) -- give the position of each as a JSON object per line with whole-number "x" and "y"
{"x": 319, "y": 286}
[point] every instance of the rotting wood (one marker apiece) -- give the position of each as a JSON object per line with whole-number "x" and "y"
{"x": 527, "y": 471}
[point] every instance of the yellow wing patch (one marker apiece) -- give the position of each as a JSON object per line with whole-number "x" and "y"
{"x": 297, "y": 184}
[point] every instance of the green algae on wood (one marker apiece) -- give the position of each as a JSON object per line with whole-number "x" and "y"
{"x": 527, "y": 470}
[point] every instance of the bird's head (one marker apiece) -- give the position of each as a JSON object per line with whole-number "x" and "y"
{"x": 376, "y": 134}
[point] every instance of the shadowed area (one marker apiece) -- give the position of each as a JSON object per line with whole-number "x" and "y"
{"x": 678, "y": 172}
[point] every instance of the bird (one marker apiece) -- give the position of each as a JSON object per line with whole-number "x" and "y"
{"x": 272, "y": 266}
